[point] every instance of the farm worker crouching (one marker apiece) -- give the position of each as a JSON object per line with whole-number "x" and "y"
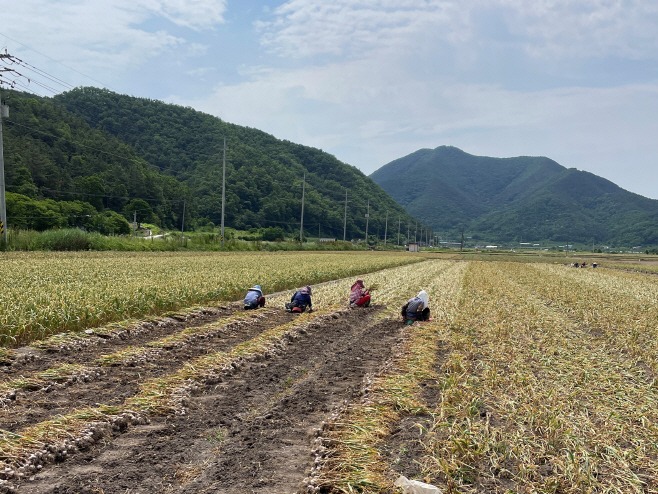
{"x": 254, "y": 298}
{"x": 301, "y": 300}
{"x": 417, "y": 309}
{"x": 359, "y": 296}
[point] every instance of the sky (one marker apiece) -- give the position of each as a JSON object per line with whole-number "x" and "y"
{"x": 371, "y": 81}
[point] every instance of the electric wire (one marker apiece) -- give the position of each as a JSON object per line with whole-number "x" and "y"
{"x": 128, "y": 198}
{"x": 135, "y": 160}
{"x": 57, "y": 61}
{"x": 43, "y": 73}
{"x": 60, "y": 216}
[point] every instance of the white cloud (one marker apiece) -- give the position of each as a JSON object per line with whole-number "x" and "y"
{"x": 547, "y": 28}
{"x": 195, "y": 14}
{"x": 201, "y": 71}
{"x": 368, "y": 113}
{"x": 104, "y": 38}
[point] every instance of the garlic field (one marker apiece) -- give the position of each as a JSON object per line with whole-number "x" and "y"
{"x": 530, "y": 378}
{"x": 47, "y": 293}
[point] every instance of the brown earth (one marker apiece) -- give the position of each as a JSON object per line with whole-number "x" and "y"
{"x": 252, "y": 433}
{"x": 114, "y": 384}
{"x": 33, "y": 360}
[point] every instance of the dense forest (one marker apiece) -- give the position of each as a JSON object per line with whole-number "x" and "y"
{"x": 61, "y": 172}
{"x": 521, "y": 199}
{"x": 263, "y": 174}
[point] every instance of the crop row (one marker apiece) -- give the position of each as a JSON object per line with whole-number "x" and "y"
{"x": 44, "y": 294}
{"x": 618, "y": 306}
{"x": 29, "y": 448}
{"x": 533, "y": 400}
{"x": 347, "y": 455}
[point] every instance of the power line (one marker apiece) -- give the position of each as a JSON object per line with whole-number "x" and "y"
{"x": 43, "y": 73}
{"x": 80, "y": 144}
{"x": 103, "y": 195}
{"x": 9, "y": 60}
{"x": 57, "y": 215}
{"x": 57, "y": 61}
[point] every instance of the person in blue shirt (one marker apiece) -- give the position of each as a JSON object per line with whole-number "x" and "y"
{"x": 254, "y": 298}
{"x": 417, "y": 309}
{"x": 301, "y": 300}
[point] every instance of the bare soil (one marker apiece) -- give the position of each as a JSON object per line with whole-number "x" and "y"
{"x": 32, "y": 360}
{"x": 252, "y": 433}
{"x": 115, "y": 384}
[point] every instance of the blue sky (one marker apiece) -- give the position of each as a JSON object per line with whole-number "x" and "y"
{"x": 373, "y": 80}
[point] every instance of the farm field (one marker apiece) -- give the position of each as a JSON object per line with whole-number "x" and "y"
{"x": 42, "y": 294}
{"x": 530, "y": 378}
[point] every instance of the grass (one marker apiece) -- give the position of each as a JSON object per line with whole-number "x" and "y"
{"x": 122, "y": 357}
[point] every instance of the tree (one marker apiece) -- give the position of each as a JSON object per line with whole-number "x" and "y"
{"x": 93, "y": 188}
{"x": 116, "y": 224}
{"x": 144, "y": 212}
{"x": 23, "y": 183}
{"x": 272, "y": 233}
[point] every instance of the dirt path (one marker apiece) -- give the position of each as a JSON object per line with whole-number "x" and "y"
{"x": 252, "y": 433}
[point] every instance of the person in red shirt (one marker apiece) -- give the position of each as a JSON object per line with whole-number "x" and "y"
{"x": 359, "y": 296}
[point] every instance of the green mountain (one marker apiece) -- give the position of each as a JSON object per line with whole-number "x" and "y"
{"x": 263, "y": 174}
{"x": 520, "y": 199}
{"x": 60, "y": 172}
{"x": 73, "y": 159}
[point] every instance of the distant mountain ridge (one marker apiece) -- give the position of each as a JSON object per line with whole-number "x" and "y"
{"x": 517, "y": 199}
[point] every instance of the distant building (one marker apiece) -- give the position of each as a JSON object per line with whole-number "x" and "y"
{"x": 413, "y": 247}
{"x": 327, "y": 240}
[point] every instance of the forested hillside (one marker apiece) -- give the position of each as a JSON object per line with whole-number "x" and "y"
{"x": 264, "y": 174}
{"x": 517, "y": 199}
{"x": 61, "y": 172}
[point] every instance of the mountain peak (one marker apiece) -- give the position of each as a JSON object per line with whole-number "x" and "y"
{"x": 525, "y": 197}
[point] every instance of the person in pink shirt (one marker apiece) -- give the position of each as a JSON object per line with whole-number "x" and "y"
{"x": 359, "y": 296}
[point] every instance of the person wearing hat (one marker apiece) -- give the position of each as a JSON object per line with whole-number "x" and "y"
{"x": 359, "y": 296}
{"x": 417, "y": 308}
{"x": 301, "y": 300}
{"x": 254, "y": 298}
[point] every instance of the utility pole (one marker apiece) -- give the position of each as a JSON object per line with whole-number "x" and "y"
{"x": 4, "y": 113}
{"x": 221, "y": 237}
{"x": 462, "y": 246}
{"x": 318, "y": 232}
{"x": 386, "y": 229}
{"x": 367, "y": 218}
{"x": 407, "y": 233}
{"x": 398, "y": 231}
{"x": 416, "y": 233}
{"x": 134, "y": 223}
{"x": 182, "y": 225}
{"x": 301, "y": 227}
{"x": 345, "y": 220}
{"x": 567, "y": 245}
